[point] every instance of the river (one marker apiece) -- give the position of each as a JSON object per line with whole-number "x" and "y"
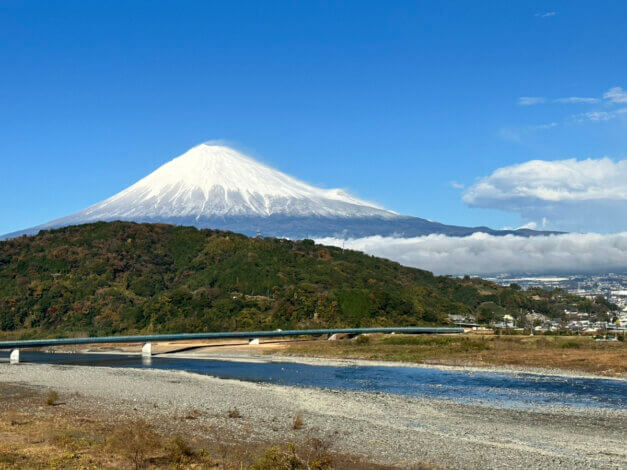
{"x": 501, "y": 389}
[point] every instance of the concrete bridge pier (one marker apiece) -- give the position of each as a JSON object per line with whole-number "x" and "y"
{"x": 147, "y": 350}
{"x": 338, "y": 336}
{"x": 14, "y": 357}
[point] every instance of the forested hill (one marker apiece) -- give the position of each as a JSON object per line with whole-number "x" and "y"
{"x": 120, "y": 277}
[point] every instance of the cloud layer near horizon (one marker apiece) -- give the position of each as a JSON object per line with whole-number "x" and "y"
{"x": 487, "y": 254}
{"x": 570, "y": 195}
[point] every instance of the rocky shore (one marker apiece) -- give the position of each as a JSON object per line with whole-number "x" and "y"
{"x": 383, "y": 428}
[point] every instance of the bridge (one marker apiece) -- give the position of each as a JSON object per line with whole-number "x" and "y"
{"x": 252, "y": 336}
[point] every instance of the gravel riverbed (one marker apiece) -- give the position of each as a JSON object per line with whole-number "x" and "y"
{"x": 383, "y": 428}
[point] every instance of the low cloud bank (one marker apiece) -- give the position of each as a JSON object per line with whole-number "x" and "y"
{"x": 487, "y": 254}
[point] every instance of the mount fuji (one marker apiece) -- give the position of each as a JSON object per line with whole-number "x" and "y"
{"x": 214, "y": 186}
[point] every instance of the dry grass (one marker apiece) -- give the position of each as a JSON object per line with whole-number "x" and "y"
{"x": 288, "y": 457}
{"x": 134, "y": 441}
{"x": 80, "y": 436}
{"x": 575, "y": 353}
{"x": 59, "y": 437}
{"x": 180, "y": 452}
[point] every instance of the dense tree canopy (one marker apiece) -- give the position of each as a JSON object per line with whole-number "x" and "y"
{"x": 119, "y": 277}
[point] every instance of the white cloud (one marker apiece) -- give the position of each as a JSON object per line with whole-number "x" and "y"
{"x": 546, "y": 14}
{"x": 530, "y": 100}
{"x": 598, "y": 116}
{"x": 550, "y": 125}
{"x": 613, "y": 95}
{"x": 570, "y": 194}
{"x": 486, "y": 254}
{"x": 576, "y": 100}
{"x": 457, "y": 185}
{"x": 516, "y": 134}
{"x": 616, "y": 95}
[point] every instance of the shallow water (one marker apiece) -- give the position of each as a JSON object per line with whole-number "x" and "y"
{"x": 507, "y": 390}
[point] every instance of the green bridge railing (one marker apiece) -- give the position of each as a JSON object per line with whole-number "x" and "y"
{"x": 34, "y": 343}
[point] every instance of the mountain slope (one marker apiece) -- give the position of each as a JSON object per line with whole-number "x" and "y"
{"x": 213, "y": 186}
{"x": 121, "y": 277}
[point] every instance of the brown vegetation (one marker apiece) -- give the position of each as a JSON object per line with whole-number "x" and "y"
{"x": 135, "y": 441}
{"x": 234, "y": 413}
{"x": 79, "y": 436}
{"x": 299, "y": 422}
{"x": 51, "y": 398}
{"x": 179, "y": 451}
{"x": 575, "y": 353}
{"x": 286, "y": 457}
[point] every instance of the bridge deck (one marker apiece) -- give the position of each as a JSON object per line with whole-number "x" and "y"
{"x": 35, "y": 343}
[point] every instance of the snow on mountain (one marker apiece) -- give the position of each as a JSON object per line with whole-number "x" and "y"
{"x": 213, "y": 180}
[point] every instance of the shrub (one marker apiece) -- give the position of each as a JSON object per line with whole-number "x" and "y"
{"x": 313, "y": 455}
{"x": 317, "y": 455}
{"x": 134, "y": 441}
{"x": 234, "y": 413}
{"x": 178, "y": 450}
{"x": 277, "y": 457}
{"x": 571, "y": 345}
{"x": 362, "y": 340}
{"x": 51, "y": 398}
{"x": 298, "y": 421}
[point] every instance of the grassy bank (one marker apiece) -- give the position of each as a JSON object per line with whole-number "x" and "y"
{"x": 574, "y": 353}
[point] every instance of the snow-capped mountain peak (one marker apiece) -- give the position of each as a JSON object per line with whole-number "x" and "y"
{"x": 213, "y": 180}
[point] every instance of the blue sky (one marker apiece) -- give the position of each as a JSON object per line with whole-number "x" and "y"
{"x": 408, "y": 105}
